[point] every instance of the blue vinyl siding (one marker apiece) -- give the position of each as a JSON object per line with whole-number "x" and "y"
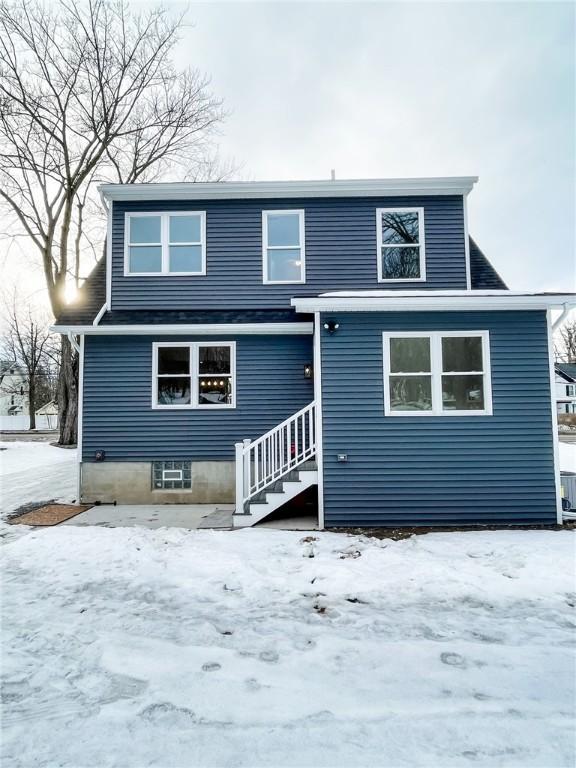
{"x": 405, "y": 471}
{"x": 340, "y": 252}
{"x": 118, "y": 417}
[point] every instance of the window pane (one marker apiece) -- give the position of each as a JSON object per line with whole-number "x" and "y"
{"x": 185, "y": 258}
{"x": 173, "y": 360}
{"x": 411, "y": 393}
{"x": 462, "y": 353}
{"x": 214, "y": 359}
{"x": 214, "y": 391}
{"x": 409, "y": 355}
{"x": 400, "y": 263}
{"x": 174, "y": 391}
{"x": 284, "y": 264}
{"x": 463, "y": 393}
{"x": 400, "y": 228}
{"x": 185, "y": 229}
{"x": 145, "y": 229}
{"x": 145, "y": 258}
{"x": 284, "y": 229}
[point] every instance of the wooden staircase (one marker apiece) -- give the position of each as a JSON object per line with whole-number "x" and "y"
{"x": 276, "y": 467}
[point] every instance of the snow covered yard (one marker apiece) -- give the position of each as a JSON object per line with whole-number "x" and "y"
{"x": 172, "y": 648}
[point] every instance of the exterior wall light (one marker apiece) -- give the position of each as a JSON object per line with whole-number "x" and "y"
{"x": 308, "y": 370}
{"x": 331, "y": 326}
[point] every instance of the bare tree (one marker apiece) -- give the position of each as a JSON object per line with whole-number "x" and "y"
{"x": 89, "y": 92}
{"x": 29, "y": 345}
{"x": 566, "y": 346}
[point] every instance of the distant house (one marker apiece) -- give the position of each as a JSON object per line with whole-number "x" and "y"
{"x": 47, "y": 415}
{"x": 565, "y": 387}
{"x": 242, "y": 342}
{"x": 13, "y": 390}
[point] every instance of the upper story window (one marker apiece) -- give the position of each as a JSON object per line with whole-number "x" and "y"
{"x": 401, "y": 250}
{"x": 437, "y": 374}
{"x": 194, "y": 375}
{"x": 283, "y": 246}
{"x": 165, "y": 243}
{"x": 571, "y": 390}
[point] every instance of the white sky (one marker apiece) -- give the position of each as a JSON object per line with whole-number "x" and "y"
{"x": 410, "y": 89}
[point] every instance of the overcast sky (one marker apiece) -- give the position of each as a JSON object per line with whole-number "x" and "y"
{"x": 403, "y": 89}
{"x": 410, "y": 89}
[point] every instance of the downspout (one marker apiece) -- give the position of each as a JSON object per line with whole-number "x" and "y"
{"x": 559, "y": 320}
{"x": 72, "y": 339}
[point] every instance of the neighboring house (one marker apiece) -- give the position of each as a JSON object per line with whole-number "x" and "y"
{"x": 247, "y": 341}
{"x": 47, "y": 414}
{"x": 13, "y": 390}
{"x": 565, "y": 387}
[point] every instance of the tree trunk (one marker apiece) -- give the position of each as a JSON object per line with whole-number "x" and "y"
{"x": 68, "y": 394}
{"x": 31, "y": 402}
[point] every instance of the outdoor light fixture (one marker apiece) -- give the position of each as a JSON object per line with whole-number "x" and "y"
{"x": 331, "y": 326}
{"x": 308, "y": 370}
{"x": 99, "y": 455}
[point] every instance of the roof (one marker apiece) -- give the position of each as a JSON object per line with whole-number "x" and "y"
{"x": 226, "y": 190}
{"x": 482, "y": 273}
{"x": 567, "y": 370}
{"x": 201, "y": 317}
{"x": 89, "y": 301}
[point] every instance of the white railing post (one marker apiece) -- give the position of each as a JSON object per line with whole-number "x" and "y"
{"x": 239, "y": 478}
{"x": 247, "y": 466}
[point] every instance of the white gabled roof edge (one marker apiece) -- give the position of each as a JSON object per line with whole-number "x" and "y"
{"x": 443, "y": 185}
{"x": 205, "y": 329}
{"x": 406, "y": 301}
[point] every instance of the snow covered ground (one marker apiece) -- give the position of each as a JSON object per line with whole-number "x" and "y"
{"x": 172, "y": 648}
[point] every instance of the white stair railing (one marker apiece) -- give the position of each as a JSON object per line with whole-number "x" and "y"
{"x": 262, "y": 461}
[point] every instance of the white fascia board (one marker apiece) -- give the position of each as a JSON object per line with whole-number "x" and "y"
{"x": 432, "y": 301}
{"x": 445, "y": 185}
{"x": 211, "y": 329}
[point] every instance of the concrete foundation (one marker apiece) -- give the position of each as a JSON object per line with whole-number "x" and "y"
{"x": 130, "y": 482}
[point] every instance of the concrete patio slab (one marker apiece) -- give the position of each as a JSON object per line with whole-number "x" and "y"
{"x": 152, "y": 515}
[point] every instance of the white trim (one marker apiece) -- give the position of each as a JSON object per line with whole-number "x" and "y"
{"x": 467, "y": 246}
{"x": 109, "y": 256}
{"x": 100, "y": 314}
{"x": 79, "y": 425}
{"x": 201, "y": 329}
{"x": 435, "y": 301}
{"x": 444, "y": 185}
{"x": 164, "y": 243}
{"x": 436, "y": 372}
{"x": 421, "y": 245}
{"x": 265, "y": 247}
{"x": 318, "y": 401}
{"x": 194, "y": 374}
{"x": 554, "y": 419}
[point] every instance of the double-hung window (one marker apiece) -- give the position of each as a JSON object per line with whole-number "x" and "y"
{"x": 171, "y": 243}
{"x": 283, "y": 246}
{"x": 444, "y": 373}
{"x": 194, "y": 375}
{"x": 401, "y": 246}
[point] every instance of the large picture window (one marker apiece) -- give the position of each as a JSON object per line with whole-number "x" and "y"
{"x": 171, "y": 243}
{"x": 437, "y": 374}
{"x": 194, "y": 375}
{"x": 401, "y": 248}
{"x": 283, "y": 247}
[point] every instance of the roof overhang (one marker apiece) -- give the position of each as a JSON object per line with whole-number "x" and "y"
{"x": 431, "y": 301}
{"x": 204, "y": 329}
{"x": 225, "y": 190}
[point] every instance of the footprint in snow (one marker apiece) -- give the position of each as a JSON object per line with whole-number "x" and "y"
{"x": 270, "y": 656}
{"x": 453, "y": 660}
{"x": 211, "y": 666}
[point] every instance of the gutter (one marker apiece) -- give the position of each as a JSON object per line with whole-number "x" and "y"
{"x": 435, "y": 303}
{"x": 207, "y": 329}
{"x": 562, "y": 317}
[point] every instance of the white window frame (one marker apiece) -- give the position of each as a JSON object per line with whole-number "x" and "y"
{"x": 266, "y": 247}
{"x": 421, "y": 245}
{"x": 164, "y": 242}
{"x": 194, "y": 375}
{"x": 436, "y": 372}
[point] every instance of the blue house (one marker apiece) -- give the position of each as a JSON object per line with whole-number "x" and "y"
{"x": 245, "y": 342}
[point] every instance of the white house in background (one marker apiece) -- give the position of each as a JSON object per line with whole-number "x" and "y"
{"x": 13, "y": 395}
{"x": 565, "y": 387}
{"x": 49, "y": 415}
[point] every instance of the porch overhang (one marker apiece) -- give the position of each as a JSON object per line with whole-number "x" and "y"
{"x": 432, "y": 301}
{"x": 199, "y": 329}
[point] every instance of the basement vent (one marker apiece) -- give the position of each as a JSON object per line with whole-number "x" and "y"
{"x": 171, "y": 475}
